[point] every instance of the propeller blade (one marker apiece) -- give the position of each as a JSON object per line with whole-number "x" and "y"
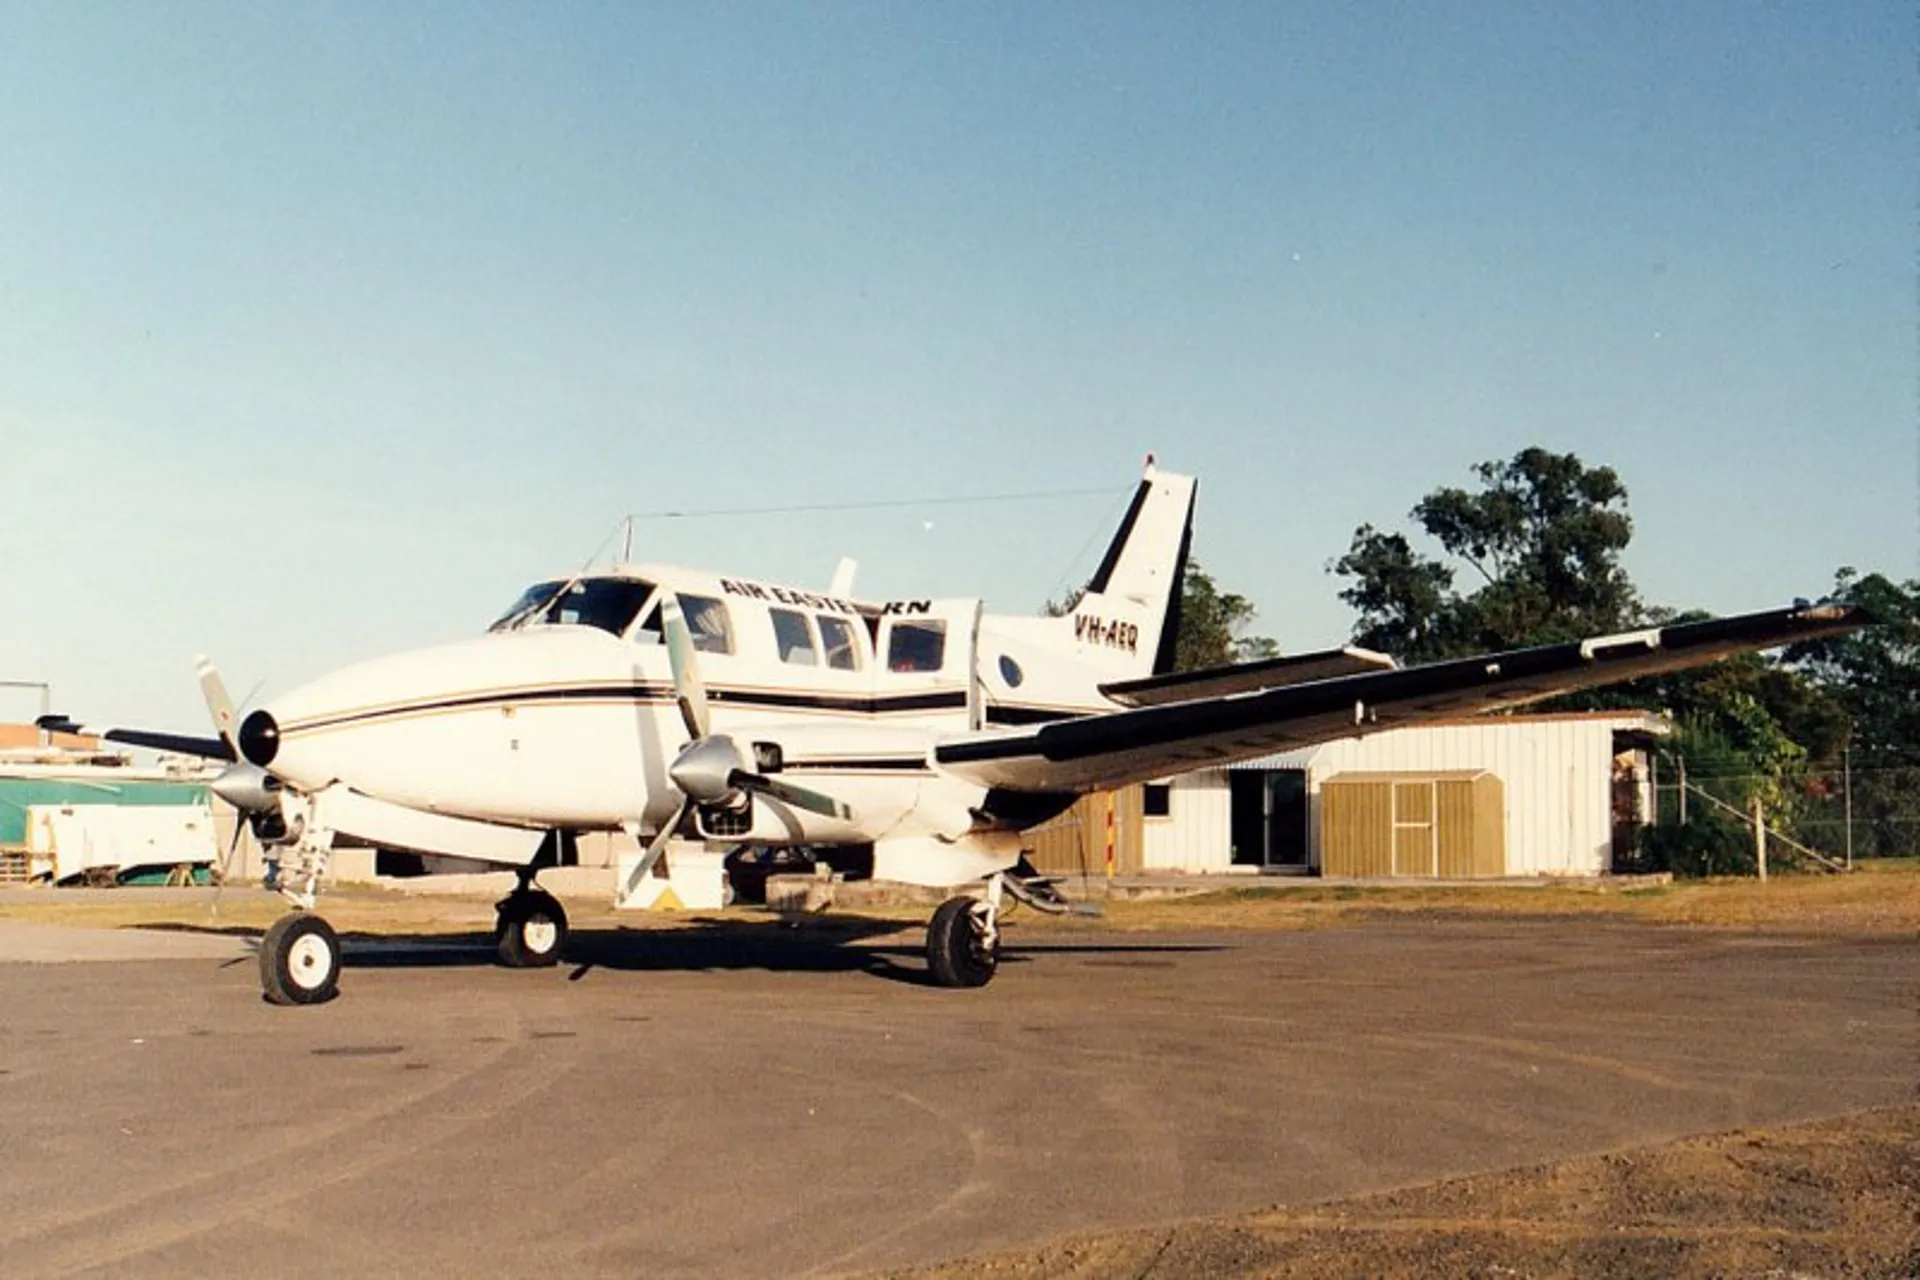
{"x": 655, "y": 847}
{"x": 799, "y": 797}
{"x": 240, "y": 823}
{"x": 219, "y": 705}
{"x": 687, "y": 686}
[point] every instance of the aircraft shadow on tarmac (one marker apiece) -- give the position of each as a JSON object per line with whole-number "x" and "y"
{"x": 813, "y": 945}
{"x": 771, "y": 945}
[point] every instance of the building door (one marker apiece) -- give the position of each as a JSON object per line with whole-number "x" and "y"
{"x": 1287, "y": 818}
{"x": 1268, "y": 812}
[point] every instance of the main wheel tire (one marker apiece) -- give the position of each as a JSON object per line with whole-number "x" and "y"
{"x": 956, "y": 954}
{"x": 531, "y": 930}
{"x": 300, "y": 960}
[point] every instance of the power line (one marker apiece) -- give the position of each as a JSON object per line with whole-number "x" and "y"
{"x": 870, "y": 505}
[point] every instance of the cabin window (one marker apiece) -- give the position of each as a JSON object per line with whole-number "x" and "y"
{"x": 606, "y": 603}
{"x": 1156, "y": 800}
{"x": 917, "y": 646}
{"x": 707, "y": 623}
{"x": 794, "y": 638}
{"x": 841, "y": 642}
{"x": 650, "y": 631}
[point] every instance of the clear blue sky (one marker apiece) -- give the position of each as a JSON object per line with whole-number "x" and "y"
{"x": 324, "y": 328}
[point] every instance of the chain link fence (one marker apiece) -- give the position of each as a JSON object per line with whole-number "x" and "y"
{"x": 1703, "y": 822}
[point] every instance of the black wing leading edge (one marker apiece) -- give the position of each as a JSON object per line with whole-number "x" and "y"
{"x": 1156, "y": 741}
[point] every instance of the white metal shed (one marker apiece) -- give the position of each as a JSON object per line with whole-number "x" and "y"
{"x": 1563, "y": 774}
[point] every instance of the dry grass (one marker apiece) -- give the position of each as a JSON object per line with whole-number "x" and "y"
{"x": 1837, "y": 1197}
{"x": 1881, "y": 897}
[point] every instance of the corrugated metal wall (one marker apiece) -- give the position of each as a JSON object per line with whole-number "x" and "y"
{"x": 1357, "y": 829}
{"x": 1197, "y": 833}
{"x": 1558, "y": 777}
{"x": 1075, "y": 843}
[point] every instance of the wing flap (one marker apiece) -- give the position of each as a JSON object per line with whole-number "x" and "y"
{"x": 1154, "y": 741}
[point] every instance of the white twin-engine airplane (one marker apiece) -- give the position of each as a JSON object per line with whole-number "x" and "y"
{"x": 671, "y": 703}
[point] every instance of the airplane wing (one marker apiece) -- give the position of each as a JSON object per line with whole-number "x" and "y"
{"x": 1155, "y": 741}
{"x": 179, "y": 743}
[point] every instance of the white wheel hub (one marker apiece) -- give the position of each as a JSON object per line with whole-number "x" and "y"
{"x": 309, "y": 961}
{"x": 540, "y": 934}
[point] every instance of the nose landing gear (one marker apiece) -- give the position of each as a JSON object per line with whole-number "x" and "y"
{"x": 530, "y": 928}
{"x": 300, "y": 960}
{"x": 300, "y": 953}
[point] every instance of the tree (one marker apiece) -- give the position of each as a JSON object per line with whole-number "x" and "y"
{"x": 1874, "y": 673}
{"x": 1540, "y": 540}
{"x": 1211, "y": 621}
{"x": 1874, "y": 676}
{"x": 1543, "y": 535}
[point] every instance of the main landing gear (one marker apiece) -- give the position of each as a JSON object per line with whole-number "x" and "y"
{"x": 963, "y": 942}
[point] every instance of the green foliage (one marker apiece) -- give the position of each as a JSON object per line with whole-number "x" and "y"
{"x": 1211, "y": 621}
{"x": 1704, "y": 845}
{"x": 1874, "y": 678}
{"x": 1875, "y": 673}
{"x": 1543, "y": 534}
{"x": 1540, "y": 541}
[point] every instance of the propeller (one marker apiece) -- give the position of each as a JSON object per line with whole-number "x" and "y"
{"x": 712, "y": 769}
{"x": 247, "y": 787}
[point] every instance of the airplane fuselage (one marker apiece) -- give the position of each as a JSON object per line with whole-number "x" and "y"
{"x": 564, "y": 716}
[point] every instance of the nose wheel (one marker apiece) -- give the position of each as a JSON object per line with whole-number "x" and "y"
{"x": 530, "y": 929}
{"x": 300, "y": 960}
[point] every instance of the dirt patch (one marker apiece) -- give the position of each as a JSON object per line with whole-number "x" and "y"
{"x": 1837, "y": 1197}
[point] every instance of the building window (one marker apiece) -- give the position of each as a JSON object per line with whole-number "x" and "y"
{"x": 1156, "y": 800}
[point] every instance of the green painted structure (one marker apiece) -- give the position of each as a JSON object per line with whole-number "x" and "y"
{"x": 18, "y": 794}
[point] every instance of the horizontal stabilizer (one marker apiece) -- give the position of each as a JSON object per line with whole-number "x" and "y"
{"x": 1245, "y": 677}
{"x": 178, "y": 743}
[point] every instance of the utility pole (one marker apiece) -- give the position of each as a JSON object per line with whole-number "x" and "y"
{"x": 1760, "y": 839}
{"x": 1683, "y": 790}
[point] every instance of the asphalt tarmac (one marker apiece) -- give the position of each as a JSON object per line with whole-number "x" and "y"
{"x": 764, "y": 1101}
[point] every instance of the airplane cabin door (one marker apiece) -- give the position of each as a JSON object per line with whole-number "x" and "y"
{"x": 927, "y": 660}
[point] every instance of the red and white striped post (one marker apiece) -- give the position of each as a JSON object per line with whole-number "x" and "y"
{"x": 1112, "y": 804}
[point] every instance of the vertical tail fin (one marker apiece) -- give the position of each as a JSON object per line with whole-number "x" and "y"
{"x": 1129, "y": 617}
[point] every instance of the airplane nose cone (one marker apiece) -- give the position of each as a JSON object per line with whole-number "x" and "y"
{"x": 259, "y": 739}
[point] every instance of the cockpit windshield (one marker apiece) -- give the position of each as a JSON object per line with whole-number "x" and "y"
{"x": 607, "y": 603}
